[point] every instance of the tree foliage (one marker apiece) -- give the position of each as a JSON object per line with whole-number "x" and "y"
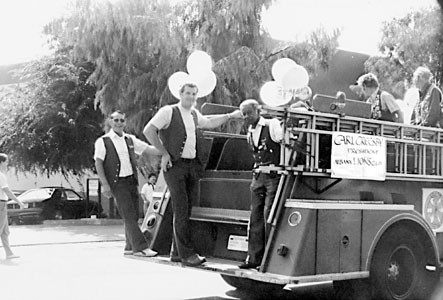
{"x": 407, "y": 43}
{"x": 49, "y": 122}
{"x": 136, "y": 45}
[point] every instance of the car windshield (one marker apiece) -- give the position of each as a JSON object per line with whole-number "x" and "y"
{"x": 36, "y": 194}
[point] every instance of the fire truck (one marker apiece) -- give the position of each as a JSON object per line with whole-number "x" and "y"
{"x": 359, "y": 204}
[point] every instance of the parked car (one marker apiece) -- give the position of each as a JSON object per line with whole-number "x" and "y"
{"x": 51, "y": 203}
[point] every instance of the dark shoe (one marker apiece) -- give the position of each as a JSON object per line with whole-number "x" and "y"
{"x": 175, "y": 259}
{"x": 249, "y": 265}
{"x": 194, "y": 260}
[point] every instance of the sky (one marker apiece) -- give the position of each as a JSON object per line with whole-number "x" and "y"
{"x": 21, "y": 22}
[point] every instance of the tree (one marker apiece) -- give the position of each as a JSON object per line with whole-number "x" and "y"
{"x": 409, "y": 42}
{"x": 136, "y": 45}
{"x": 50, "y": 121}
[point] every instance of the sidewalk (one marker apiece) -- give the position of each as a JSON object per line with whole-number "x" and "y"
{"x": 67, "y": 231}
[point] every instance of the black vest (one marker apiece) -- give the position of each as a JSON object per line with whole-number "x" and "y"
{"x": 174, "y": 137}
{"x": 378, "y": 113}
{"x": 112, "y": 163}
{"x": 267, "y": 152}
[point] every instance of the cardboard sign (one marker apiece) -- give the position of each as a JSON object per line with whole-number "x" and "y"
{"x": 358, "y": 156}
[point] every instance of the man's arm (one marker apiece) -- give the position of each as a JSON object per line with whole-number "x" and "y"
{"x": 101, "y": 174}
{"x": 151, "y": 134}
{"x": 214, "y": 121}
{"x": 11, "y": 195}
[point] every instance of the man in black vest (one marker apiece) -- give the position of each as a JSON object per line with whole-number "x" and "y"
{"x": 116, "y": 167}
{"x": 174, "y": 131}
{"x": 264, "y": 136}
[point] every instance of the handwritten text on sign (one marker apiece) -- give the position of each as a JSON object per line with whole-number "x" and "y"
{"x": 358, "y": 156}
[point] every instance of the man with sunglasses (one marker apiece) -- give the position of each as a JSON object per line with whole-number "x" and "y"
{"x": 116, "y": 167}
{"x": 174, "y": 131}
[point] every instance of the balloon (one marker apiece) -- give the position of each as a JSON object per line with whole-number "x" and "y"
{"x": 206, "y": 83}
{"x": 281, "y": 67}
{"x": 199, "y": 63}
{"x": 176, "y": 81}
{"x": 273, "y": 94}
{"x": 295, "y": 78}
{"x": 304, "y": 93}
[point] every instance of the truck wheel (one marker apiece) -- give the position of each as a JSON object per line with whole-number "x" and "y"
{"x": 398, "y": 269}
{"x": 252, "y": 286}
{"x": 356, "y": 289}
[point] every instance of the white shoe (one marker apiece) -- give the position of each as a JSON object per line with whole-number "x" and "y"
{"x": 12, "y": 256}
{"x": 145, "y": 253}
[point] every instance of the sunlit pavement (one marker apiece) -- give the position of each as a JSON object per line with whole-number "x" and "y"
{"x": 86, "y": 262}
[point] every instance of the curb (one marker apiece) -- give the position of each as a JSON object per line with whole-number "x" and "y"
{"x": 86, "y": 221}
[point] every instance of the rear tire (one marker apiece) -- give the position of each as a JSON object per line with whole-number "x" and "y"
{"x": 398, "y": 269}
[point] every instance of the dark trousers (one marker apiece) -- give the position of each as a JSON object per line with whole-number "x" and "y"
{"x": 263, "y": 189}
{"x": 182, "y": 180}
{"x": 126, "y": 195}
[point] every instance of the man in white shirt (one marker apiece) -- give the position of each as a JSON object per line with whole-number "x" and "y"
{"x": 147, "y": 191}
{"x": 5, "y": 194}
{"x": 116, "y": 167}
{"x": 174, "y": 131}
{"x": 264, "y": 137}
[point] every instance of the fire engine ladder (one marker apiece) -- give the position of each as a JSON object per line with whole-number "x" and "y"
{"x": 414, "y": 152}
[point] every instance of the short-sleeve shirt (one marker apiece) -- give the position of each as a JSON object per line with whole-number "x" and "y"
{"x": 148, "y": 191}
{"x": 388, "y": 102}
{"x": 122, "y": 150}
{"x": 3, "y": 184}
{"x": 275, "y": 130}
{"x": 163, "y": 118}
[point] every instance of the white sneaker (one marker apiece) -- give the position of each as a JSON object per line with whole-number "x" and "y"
{"x": 11, "y": 256}
{"x": 145, "y": 253}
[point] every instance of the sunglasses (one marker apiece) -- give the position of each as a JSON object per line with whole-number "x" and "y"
{"x": 119, "y": 120}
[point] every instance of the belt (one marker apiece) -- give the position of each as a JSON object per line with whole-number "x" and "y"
{"x": 186, "y": 160}
{"x": 130, "y": 177}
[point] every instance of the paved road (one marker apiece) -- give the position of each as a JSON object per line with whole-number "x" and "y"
{"x": 72, "y": 261}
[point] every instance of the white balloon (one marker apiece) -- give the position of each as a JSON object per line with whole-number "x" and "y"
{"x": 273, "y": 94}
{"x": 295, "y": 78}
{"x": 199, "y": 63}
{"x": 176, "y": 81}
{"x": 281, "y": 67}
{"x": 205, "y": 82}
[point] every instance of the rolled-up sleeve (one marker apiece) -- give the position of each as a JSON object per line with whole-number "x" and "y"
{"x": 100, "y": 150}
{"x": 275, "y": 130}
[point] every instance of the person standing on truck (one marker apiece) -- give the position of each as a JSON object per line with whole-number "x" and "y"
{"x": 5, "y": 194}
{"x": 427, "y": 110}
{"x": 384, "y": 106}
{"x": 264, "y": 137}
{"x": 174, "y": 131}
{"x": 147, "y": 191}
{"x": 116, "y": 167}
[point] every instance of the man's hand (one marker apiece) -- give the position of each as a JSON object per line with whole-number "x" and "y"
{"x": 166, "y": 162}
{"x": 107, "y": 191}
{"x": 236, "y": 114}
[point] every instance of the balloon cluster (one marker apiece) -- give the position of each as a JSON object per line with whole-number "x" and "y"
{"x": 291, "y": 80}
{"x": 199, "y": 66}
